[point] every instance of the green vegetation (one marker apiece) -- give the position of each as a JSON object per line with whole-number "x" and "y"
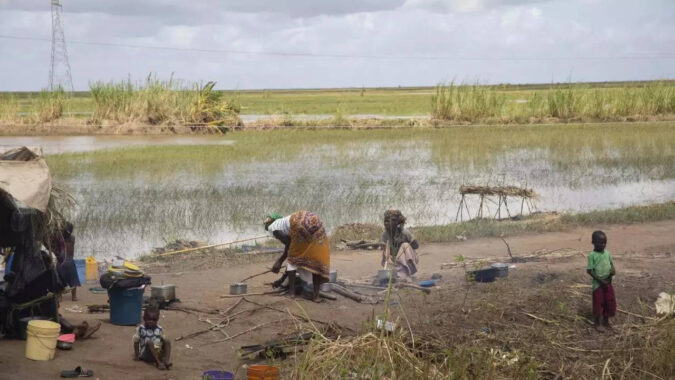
{"x": 637, "y": 147}
{"x": 545, "y": 223}
{"x": 347, "y": 176}
{"x": 161, "y": 102}
{"x": 50, "y": 105}
{"x": 483, "y": 104}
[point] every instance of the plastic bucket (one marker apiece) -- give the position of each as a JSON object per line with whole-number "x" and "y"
{"x": 23, "y": 324}
{"x": 41, "y": 341}
{"x": 81, "y": 266}
{"x": 262, "y": 372}
{"x": 214, "y": 374}
{"x": 91, "y": 269}
{"x": 126, "y": 306}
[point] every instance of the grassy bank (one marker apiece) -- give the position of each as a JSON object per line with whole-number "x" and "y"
{"x": 481, "y": 104}
{"x": 161, "y": 102}
{"x": 545, "y": 223}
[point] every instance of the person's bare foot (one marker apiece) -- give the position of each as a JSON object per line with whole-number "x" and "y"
{"x": 161, "y": 366}
{"x": 75, "y": 299}
{"x": 599, "y": 328}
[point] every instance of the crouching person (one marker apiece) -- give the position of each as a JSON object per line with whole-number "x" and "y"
{"x": 150, "y": 345}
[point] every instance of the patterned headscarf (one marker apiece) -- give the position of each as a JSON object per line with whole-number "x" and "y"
{"x": 271, "y": 218}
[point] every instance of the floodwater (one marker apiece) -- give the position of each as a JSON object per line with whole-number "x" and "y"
{"x": 214, "y": 198}
{"x": 70, "y": 144}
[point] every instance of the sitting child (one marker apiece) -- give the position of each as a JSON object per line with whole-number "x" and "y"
{"x": 601, "y": 268}
{"x": 149, "y": 342}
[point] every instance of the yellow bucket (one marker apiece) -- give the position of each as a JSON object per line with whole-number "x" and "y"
{"x": 91, "y": 269}
{"x": 41, "y": 339}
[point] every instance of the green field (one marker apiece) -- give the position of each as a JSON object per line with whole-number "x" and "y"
{"x": 126, "y": 101}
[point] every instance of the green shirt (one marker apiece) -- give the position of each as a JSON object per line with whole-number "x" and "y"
{"x": 601, "y": 264}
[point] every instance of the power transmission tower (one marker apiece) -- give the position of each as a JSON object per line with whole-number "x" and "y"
{"x": 59, "y": 72}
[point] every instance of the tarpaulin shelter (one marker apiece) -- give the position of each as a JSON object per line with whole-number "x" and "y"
{"x": 27, "y": 215}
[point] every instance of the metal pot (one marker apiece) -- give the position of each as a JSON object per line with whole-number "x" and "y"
{"x": 332, "y": 276}
{"x": 165, "y": 292}
{"x": 238, "y": 288}
{"x": 383, "y": 275}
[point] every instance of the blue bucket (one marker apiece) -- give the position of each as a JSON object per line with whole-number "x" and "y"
{"x": 126, "y": 306}
{"x": 81, "y": 265}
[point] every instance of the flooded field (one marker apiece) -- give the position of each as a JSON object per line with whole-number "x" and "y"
{"x": 135, "y": 193}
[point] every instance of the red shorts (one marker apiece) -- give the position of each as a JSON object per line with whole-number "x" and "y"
{"x": 604, "y": 302}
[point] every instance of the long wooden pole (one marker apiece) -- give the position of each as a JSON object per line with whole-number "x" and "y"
{"x": 210, "y": 246}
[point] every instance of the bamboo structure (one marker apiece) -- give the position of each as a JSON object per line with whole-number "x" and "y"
{"x": 485, "y": 196}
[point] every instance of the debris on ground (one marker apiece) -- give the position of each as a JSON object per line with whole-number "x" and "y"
{"x": 98, "y": 308}
{"x": 277, "y": 348}
{"x": 360, "y": 244}
{"x": 665, "y": 304}
{"x": 357, "y": 232}
{"x": 177, "y": 245}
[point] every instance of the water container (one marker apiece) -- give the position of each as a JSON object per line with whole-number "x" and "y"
{"x": 126, "y": 306}
{"x": 23, "y": 324}
{"x": 41, "y": 341}
{"x": 80, "y": 264}
{"x": 92, "y": 269}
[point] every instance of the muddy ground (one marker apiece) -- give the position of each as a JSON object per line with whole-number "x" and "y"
{"x": 644, "y": 256}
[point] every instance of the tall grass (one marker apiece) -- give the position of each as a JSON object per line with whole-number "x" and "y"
{"x": 475, "y": 103}
{"x": 9, "y": 108}
{"x": 50, "y": 105}
{"x": 157, "y": 101}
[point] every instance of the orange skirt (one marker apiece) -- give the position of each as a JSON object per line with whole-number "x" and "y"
{"x": 310, "y": 249}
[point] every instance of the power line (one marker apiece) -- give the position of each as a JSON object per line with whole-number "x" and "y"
{"x": 357, "y": 56}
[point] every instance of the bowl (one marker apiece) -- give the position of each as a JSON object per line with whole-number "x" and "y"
{"x": 64, "y": 345}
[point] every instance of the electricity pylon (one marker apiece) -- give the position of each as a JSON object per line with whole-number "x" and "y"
{"x": 59, "y": 72}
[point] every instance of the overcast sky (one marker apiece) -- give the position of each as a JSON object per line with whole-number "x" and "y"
{"x": 342, "y": 43}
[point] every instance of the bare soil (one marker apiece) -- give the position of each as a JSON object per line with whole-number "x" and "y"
{"x": 643, "y": 254}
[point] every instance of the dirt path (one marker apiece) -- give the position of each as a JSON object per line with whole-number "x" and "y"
{"x": 636, "y": 249}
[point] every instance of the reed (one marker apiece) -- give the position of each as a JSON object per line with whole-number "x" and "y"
{"x": 571, "y": 102}
{"x": 157, "y": 101}
{"x": 50, "y": 105}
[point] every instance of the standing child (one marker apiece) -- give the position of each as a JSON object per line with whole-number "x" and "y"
{"x": 149, "y": 342}
{"x": 601, "y": 267}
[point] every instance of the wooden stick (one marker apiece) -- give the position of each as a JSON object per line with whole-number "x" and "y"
{"x": 229, "y": 309}
{"x": 636, "y": 315}
{"x": 256, "y": 275}
{"x": 347, "y": 293}
{"x": 296, "y": 315}
{"x": 251, "y": 294}
{"x": 508, "y": 248}
{"x": 209, "y": 246}
{"x": 251, "y": 329}
{"x": 539, "y": 319}
{"x": 413, "y": 286}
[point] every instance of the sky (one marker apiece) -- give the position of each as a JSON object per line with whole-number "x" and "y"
{"x": 257, "y": 44}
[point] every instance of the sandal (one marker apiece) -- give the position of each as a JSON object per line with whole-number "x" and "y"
{"x": 77, "y": 372}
